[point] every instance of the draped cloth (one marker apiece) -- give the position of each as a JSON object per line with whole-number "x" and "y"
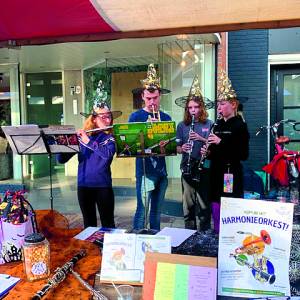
{"x": 62, "y": 248}
{"x": 278, "y": 167}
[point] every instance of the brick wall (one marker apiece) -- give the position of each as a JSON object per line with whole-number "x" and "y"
{"x": 222, "y": 52}
{"x": 248, "y": 71}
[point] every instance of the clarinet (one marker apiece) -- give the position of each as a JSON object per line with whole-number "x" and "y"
{"x": 97, "y": 294}
{"x": 188, "y": 164}
{"x": 59, "y": 276}
{"x": 203, "y": 157}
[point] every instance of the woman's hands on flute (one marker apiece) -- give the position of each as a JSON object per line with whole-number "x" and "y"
{"x": 83, "y": 136}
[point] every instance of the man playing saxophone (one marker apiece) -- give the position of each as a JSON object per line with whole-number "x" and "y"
{"x": 192, "y": 133}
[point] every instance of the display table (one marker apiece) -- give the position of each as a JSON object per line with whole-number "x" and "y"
{"x": 63, "y": 247}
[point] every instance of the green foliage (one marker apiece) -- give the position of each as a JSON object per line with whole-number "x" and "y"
{"x": 92, "y": 76}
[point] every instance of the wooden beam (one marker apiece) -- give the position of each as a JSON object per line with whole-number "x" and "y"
{"x": 152, "y": 33}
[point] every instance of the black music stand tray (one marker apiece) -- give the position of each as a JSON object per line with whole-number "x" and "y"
{"x": 34, "y": 139}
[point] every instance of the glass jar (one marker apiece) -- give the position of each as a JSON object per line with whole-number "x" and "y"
{"x": 36, "y": 257}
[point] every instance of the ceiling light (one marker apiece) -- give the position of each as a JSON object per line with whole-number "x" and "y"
{"x": 183, "y": 63}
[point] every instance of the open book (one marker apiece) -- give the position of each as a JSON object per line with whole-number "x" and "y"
{"x": 123, "y": 255}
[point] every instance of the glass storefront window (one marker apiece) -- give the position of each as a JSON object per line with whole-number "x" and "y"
{"x": 10, "y": 164}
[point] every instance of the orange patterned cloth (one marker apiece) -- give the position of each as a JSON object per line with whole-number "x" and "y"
{"x": 63, "y": 247}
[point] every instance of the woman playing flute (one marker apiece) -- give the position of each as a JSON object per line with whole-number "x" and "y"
{"x": 97, "y": 149}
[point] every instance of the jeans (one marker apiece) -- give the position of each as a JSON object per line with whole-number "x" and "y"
{"x": 156, "y": 187}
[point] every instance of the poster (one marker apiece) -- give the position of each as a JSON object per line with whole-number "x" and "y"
{"x": 254, "y": 248}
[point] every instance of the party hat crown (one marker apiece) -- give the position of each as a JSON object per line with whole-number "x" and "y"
{"x": 152, "y": 82}
{"x": 195, "y": 90}
{"x": 100, "y": 100}
{"x": 225, "y": 90}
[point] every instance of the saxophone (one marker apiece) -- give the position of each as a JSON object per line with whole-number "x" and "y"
{"x": 212, "y": 129}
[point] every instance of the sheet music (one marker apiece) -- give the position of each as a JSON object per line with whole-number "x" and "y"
{"x": 61, "y": 138}
{"x": 28, "y": 139}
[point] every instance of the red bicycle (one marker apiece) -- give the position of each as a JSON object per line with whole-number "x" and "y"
{"x": 285, "y": 165}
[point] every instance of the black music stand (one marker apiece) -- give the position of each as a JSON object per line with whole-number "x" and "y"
{"x": 132, "y": 140}
{"x": 34, "y": 139}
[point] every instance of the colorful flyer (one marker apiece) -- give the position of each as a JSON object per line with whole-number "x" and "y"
{"x": 172, "y": 281}
{"x": 254, "y": 248}
{"x": 145, "y": 138}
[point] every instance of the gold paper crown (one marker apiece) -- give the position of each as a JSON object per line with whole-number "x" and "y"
{"x": 195, "y": 90}
{"x": 225, "y": 90}
{"x": 152, "y": 81}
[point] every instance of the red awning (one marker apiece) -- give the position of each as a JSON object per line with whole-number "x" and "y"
{"x": 33, "y": 22}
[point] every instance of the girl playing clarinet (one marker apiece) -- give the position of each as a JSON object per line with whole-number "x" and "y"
{"x": 227, "y": 147}
{"x": 191, "y": 134}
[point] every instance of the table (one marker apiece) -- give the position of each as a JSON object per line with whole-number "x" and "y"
{"x": 63, "y": 247}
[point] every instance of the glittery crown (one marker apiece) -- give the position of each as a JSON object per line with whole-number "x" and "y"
{"x": 225, "y": 90}
{"x": 195, "y": 90}
{"x": 100, "y": 98}
{"x": 152, "y": 81}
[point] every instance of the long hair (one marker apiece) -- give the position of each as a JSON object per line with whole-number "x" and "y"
{"x": 187, "y": 118}
{"x": 90, "y": 124}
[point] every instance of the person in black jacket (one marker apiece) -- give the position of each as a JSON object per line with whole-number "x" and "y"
{"x": 228, "y": 146}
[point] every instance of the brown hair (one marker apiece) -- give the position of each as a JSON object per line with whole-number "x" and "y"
{"x": 187, "y": 118}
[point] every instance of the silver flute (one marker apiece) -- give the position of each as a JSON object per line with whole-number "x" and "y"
{"x": 97, "y": 294}
{"x": 212, "y": 129}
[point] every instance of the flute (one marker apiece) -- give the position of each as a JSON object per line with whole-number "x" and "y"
{"x": 97, "y": 294}
{"x": 203, "y": 157}
{"x": 99, "y": 129}
{"x": 59, "y": 276}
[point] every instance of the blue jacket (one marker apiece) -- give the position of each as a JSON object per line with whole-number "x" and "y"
{"x": 94, "y": 161}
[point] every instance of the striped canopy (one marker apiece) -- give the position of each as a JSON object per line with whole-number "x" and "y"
{"x": 50, "y": 21}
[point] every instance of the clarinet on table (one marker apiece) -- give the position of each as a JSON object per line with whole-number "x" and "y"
{"x": 187, "y": 170}
{"x": 59, "y": 275}
{"x": 212, "y": 129}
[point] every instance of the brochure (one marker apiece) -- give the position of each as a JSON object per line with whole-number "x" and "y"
{"x": 145, "y": 138}
{"x": 96, "y": 234}
{"x": 7, "y": 282}
{"x": 123, "y": 255}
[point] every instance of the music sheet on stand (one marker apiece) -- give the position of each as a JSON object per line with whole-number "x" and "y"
{"x": 61, "y": 138}
{"x": 25, "y": 139}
